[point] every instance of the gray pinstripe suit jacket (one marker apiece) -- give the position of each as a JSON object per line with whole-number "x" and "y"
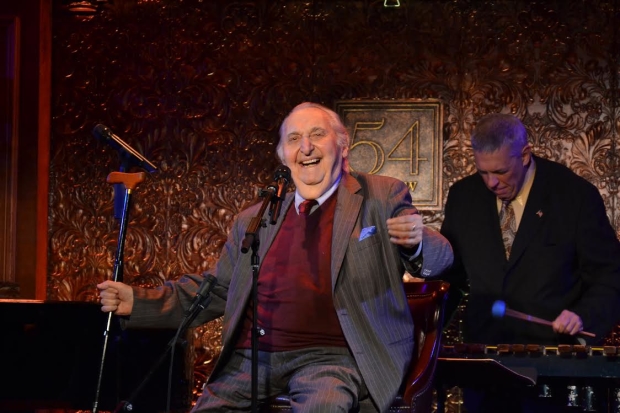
{"x": 366, "y": 281}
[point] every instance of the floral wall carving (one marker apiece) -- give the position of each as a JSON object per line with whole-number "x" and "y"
{"x": 200, "y": 88}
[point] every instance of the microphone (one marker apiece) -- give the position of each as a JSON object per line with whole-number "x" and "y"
{"x": 202, "y": 298}
{"x": 500, "y": 309}
{"x": 103, "y": 133}
{"x": 282, "y": 176}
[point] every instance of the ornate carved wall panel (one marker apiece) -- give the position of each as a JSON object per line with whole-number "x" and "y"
{"x": 200, "y": 87}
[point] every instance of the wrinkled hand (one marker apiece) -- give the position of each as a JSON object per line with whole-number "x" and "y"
{"x": 567, "y": 323}
{"x": 115, "y": 297}
{"x": 406, "y": 230}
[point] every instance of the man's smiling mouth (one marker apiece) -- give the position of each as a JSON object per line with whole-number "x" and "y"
{"x": 310, "y": 162}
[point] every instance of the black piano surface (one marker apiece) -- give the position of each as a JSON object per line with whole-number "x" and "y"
{"x": 52, "y": 352}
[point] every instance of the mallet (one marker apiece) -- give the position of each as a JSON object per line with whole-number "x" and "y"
{"x": 500, "y": 309}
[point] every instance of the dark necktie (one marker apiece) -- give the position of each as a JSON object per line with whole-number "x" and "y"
{"x": 508, "y": 224}
{"x": 306, "y": 206}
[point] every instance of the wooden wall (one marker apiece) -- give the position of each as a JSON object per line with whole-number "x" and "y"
{"x": 25, "y": 72}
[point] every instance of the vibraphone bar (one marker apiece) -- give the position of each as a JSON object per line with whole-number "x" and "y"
{"x": 574, "y": 372}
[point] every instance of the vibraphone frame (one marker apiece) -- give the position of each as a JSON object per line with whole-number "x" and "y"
{"x": 522, "y": 365}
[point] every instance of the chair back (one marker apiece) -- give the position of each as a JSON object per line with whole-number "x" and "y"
{"x": 426, "y": 301}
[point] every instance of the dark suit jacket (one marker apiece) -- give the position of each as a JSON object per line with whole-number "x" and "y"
{"x": 565, "y": 256}
{"x": 366, "y": 281}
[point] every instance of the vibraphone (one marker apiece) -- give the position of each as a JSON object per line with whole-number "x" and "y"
{"x": 588, "y": 377}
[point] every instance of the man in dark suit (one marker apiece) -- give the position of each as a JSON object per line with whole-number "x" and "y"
{"x": 563, "y": 264}
{"x": 337, "y": 332}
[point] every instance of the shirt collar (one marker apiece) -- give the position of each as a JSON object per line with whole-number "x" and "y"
{"x": 322, "y": 198}
{"x": 521, "y": 198}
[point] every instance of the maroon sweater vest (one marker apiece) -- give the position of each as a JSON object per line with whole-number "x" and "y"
{"x": 295, "y": 305}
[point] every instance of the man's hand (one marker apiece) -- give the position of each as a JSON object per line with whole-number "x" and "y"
{"x": 116, "y": 297}
{"x": 567, "y": 323}
{"x": 406, "y": 230}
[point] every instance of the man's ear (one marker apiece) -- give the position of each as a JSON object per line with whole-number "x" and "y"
{"x": 526, "y": 154}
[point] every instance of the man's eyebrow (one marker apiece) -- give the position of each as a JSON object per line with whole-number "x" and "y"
{"x": 496, "y": 171}
{"x": 314, "y": 129}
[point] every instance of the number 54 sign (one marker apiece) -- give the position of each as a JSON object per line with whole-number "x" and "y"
{"x": 397, "y": 138}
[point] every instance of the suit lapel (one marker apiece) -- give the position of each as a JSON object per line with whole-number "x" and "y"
{"x": 242, "y": 293}
{"x": 266, "y": 235}
{"x": 486, "y": 235}
{"x": 348, "y": 206}
{"x": 272, "y": 230}
{"x": 489, "y": 228}
{"x": 533, "y": 214}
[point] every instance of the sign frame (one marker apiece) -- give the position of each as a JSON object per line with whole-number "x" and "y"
{"x": 398, "y": 138}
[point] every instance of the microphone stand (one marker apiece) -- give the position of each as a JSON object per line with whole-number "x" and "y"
{"x": 127, "y": 405}
{"x": 251, "y": 240}
{"x": 130, "y": 181}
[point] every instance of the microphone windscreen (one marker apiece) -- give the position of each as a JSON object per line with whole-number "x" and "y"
{"x": 282, "y": 172}
{"x": 208, "y": 282}
{"x": 499, "y": 309}
{"x": 101, "y": 132}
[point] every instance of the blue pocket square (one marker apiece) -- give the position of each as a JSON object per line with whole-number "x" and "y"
{"x": 367, "y": 232}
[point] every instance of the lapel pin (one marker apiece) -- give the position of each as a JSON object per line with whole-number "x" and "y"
{"x": 539, "y": 213}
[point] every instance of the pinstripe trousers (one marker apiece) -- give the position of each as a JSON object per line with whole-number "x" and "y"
{"x": 318, "y": 380}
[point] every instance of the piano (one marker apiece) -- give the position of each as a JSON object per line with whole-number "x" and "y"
{"x": 51, "y": 357}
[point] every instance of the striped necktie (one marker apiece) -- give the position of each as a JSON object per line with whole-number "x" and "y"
{"x": 508, "y": 224}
